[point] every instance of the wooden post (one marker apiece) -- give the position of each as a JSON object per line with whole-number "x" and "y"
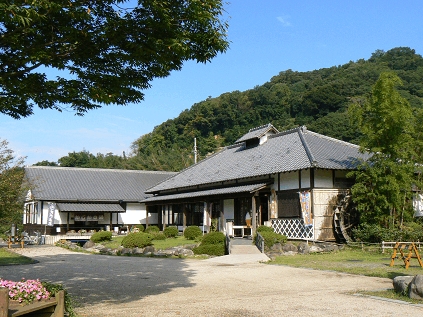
{"x": 254, "y": 220}
{"x": 59, "y": 311}
{"x": 4, "y": 302}
{"x": 184, "y": 218}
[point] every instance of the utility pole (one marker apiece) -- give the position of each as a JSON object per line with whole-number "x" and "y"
{"x": 195, "y": 150}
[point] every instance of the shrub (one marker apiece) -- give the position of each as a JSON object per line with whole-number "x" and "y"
{"x": 140, "y": 228}
{"x": 171, "y": 232}
{"x": 101, "y": 236}
{"x": 214, "y": 238}
{"x": 373, "y": 233}
{"x": 158, "y": 236}
{"x": 264, "y": 229}
{"x": 152, "y": 229}
{"x": 137, "y": 240}
{"x": 210, "y": 249}
{"x": 192, "y": 232}
{"x": 271, "y": 238}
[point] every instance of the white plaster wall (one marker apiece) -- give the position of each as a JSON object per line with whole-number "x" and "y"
{"x": 305, "y": 179}
{"x": 135, "y": 214}
{"x": 323, "y": 179}
{"x": 289, "y": 180}
{"x": 229, "y": 208}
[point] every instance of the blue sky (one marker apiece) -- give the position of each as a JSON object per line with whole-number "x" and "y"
{"x": 267, "y": 37}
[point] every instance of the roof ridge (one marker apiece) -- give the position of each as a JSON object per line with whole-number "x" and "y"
{"x": 95, "y": 169}
{"x": 261, "y": 127}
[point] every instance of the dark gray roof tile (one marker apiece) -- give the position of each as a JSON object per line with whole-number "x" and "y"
{"x": 91, "y": 184}
{"x": 292, "y": 150}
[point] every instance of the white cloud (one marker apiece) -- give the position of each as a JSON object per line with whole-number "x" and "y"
{"x": 284, "y": 20}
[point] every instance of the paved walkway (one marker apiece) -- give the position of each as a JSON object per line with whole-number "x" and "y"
{"x": 242, "y": 251}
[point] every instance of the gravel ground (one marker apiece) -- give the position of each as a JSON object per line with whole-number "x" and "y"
{"x": 137, "y": 286}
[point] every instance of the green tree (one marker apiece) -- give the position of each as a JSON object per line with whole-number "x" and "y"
{"x": 383, "y": 187}
{"x": 106, "y": 52}
{"x": 11, "y": 189}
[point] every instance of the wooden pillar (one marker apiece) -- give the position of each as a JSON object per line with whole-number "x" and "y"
{"x": 146, "y": 215}
{"x": 254, "y": 216}
{"x": 184, "y": 218}
{"x": 222, "y": 216}
{"x": 67, "y": 221}
{"x": 164, "y": 217}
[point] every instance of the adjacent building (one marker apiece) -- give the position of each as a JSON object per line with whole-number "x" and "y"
{"x": 66, "y": 199}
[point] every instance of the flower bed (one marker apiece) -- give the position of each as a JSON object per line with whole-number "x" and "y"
{"x": 25, "y": 291}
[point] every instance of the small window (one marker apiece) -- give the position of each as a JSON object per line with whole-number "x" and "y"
{"x": 289, "y": 205}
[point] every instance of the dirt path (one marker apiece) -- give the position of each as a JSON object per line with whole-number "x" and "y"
{"x": 135, "y": 286}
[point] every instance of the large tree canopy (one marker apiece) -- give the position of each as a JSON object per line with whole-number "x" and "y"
{"x": 107, "y": 51}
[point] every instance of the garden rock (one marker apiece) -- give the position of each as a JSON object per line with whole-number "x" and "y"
{"x": 137, "y": 251}
{"x": 303, "y": 248}
{"x": 89, "y": 244}
{"x": 289, "y": 247}
{"x": 415, "y": 288}
{"x": 277, "y": 247}
{"x": 401, "y": 283}
{"x": 315, "y": 249}
{"x": 126, "y": 251}
{"x": 149, "y": 249}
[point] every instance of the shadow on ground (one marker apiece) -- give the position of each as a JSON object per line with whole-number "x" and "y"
{"x": 93, "y": 278}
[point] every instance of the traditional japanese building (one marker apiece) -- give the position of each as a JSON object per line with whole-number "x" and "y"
{"x": 292, "y": 180}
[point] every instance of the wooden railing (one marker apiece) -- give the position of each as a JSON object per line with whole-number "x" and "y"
{"x": 260, "y": 242}
{"x": 52, "y": 307}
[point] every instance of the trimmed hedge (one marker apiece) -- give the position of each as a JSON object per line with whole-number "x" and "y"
{"x": 214, "y": 238}
{"x": 140, "y": 228}
{"x": 158, "y": 236}
{"x": 101, "y": 236}
{"x": 192, "y": 232}
{"x": 171, "y": 232}
{"x": 210, "y": 249}
{"x": 152, "y": 229}
{"x": 264, "y": 229}
{"x": 212, "y": 243}
{"x": 137, "y": 240}
{"x": 271, "y": 238}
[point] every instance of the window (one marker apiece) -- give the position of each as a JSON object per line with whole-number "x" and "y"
{"x": 289, "y": 205}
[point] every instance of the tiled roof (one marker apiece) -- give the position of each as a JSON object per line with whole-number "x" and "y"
{"x": 208, "y": 193}
{"x": 256, "y": 133}
{"x": 91, "y": 184}
{"x": 292, "y": 150}
{"x": 92, "y": 207}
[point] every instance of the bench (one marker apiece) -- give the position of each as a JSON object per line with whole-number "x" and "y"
{"x": 52, "y": 307}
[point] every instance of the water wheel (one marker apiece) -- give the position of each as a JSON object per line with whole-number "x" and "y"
{"x": 345, "y": 218}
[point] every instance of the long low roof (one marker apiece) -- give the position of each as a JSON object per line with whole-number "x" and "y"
{"x": 207, "y": 193}
{"x": 91, "y": 184}
{"x": 83, "y": 207}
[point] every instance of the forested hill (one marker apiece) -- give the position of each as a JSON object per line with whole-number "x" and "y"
{"x": 318, "y": 99}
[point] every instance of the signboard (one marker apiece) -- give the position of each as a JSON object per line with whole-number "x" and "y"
{"x": 50, "y": 214}
{"x": 305, "y": 200}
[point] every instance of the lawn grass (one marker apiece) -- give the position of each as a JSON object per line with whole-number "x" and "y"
{"x": 353, "y": 261}
{"x": 10, "y": 258}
